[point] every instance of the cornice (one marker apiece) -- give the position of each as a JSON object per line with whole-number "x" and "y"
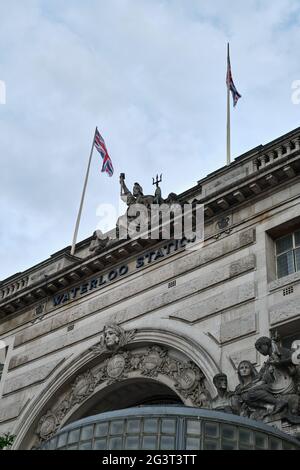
{"x": 78, "y": 270}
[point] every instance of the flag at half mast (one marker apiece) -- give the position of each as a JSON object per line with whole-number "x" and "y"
{"x": 230, "y": 83}
{"x": 99, "y": 143}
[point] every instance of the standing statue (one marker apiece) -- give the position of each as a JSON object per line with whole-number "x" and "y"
{"x": 223, "y": 401}
{"x": 253, "y": 396}
{"x": 157, "y": 196}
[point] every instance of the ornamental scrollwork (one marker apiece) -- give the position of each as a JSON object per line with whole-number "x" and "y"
{"x": 156, "y": 361}
{"x": 48, "y": 425}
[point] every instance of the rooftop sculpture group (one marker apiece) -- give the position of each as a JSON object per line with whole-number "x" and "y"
{"x": 137, "y": 196}
{"x": 131, "y": 198}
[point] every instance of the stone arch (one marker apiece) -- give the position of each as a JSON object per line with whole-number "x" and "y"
{"x": 77, "y": 374}
{"x": 128, "y": 393}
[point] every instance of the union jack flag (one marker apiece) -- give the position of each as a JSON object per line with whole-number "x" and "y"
{"x": 230, "y": 84}
{"x": 99, "y": 143}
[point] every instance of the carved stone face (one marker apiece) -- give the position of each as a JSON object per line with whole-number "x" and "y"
{"x": 263, "y": 348}
{"x": 137, "y": 190}
{"x": 244, "y": 369}
{"x": 111, "y": 338}
{"x": 221, "y": 383}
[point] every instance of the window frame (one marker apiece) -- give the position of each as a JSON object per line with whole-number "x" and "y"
{"x": 292, "y": 249}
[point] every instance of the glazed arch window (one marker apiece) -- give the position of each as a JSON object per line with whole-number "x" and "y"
{"x": 287, "y": 250}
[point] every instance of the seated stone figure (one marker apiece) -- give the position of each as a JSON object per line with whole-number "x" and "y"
{"x": 136, "y": 196}
{"x": 280, "y": 360}
{"x": 286, "y": 374}
{"x": 223, "y": 401}
{"x": 99, "y": 242}
{"x": 253, "y": 397}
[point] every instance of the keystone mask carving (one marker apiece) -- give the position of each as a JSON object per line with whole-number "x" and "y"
{"x": 113, "y": 338}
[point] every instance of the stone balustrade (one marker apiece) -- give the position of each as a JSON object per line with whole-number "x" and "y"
{"x": 15, "y": 286}
{"x": 282, "y": 151}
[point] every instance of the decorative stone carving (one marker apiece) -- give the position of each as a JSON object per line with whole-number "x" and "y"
{"x": 253, "y": 397}
{"x": 39, "y": 310}
{"x": 48, "y": 425}
{"x": 285, "y": 374}
{"x": 99, "y": 242}
{"x": 64, "y": 406}
{"x": 156, "y": 361}
{"x": 152, "y": 362}
{"x": 117, "y": 368}
{"x": 272, "y": 393}
{"x": 143, "y": 217}
{"x": 223, "y": 227}
{"x": 39, "y": 313}
{"x": 113, "y": 338}
{"x": 171, "y": 199}
{"x": 82, "y": 387}
{"x": 186, "y": 379}
{"x": 223, "y": 223}
{"x": 296, "y": 352}
{"x": 279, "y": 363}
{"x": 190, "y": 383}
{"x": 223, "y": 400}
{"x": 137, "y": 195}
{"x": 274, "y": 390}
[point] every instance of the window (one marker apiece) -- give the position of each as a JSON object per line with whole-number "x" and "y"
{"x": 288, "y": 254}
{"x": 288, "y": 333}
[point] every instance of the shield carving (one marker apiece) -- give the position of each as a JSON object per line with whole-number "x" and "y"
{"x": 186, "y": 379}
{"x": 115, "y": 366}
{"x": 82, "y": 385}
{"x": 152, "y": 361}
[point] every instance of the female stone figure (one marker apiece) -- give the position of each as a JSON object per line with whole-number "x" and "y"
{"x": 253, "y": 397}
{"x": 112, "y": 335}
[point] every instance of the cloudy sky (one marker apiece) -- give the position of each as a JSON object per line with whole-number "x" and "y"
{"x": 151, "y": 75}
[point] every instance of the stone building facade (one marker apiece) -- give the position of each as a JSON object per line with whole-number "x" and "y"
{"x": 179, "y": 316}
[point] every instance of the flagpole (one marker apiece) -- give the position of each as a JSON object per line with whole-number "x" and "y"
{"x": 228, "y": 112}
{"x": 82, "y": 198}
